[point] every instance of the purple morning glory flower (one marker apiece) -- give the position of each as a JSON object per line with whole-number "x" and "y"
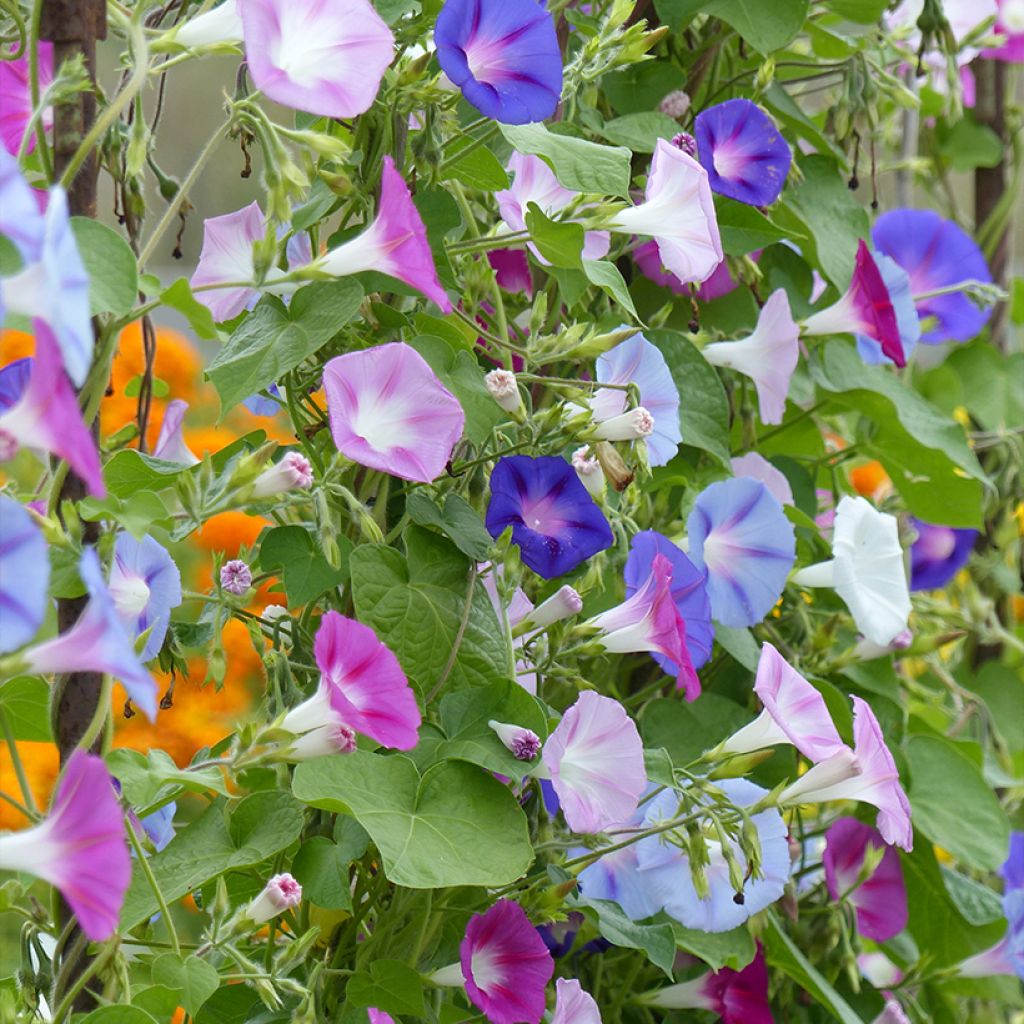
{"x": 159, "y": 826}
{"x": 145, "y": 584}
{"x": 14, "y": 378}
{"x": 260, "y": 406}
{"x": 739, "y": 534}
{"x": 897, "y": 280}
{"x": 503, "y": 55}
{"x": 554, "y": 520}
{"x": 938, "y": 554}
{"x": 688, "y": 591}
{"x": 935, "y": 253}
{"x": 24, "y": 576}
{"x": 637, "y": 361}
{"x": 745, "y": 156}
{"x": 1012, "y": 870}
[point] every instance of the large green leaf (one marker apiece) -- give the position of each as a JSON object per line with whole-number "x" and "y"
{"x": 458, "y": 520}
{"x": 307, "y": 574}
{"x": 640, "y": 132}
{"x": 321, "y": 868}
{"x": 580, "y": 165}
{"x": 656, "y": 940}
{"x": 387, "y": 985}
{"x": 733, "y": 949}
{"x": 417, "y": 606}
{"x": 454, "y": 825}
{"x": 193, "y": 979}
{"x": 111, "y": 265}
{"x": 25, "y": 702}
{"x": 745, "y": 228}
{"x": 687, "y": 730}
{"x": 766, "y": 26}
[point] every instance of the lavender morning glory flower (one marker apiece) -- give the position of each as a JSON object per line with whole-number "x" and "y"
{"x": 936, "y": 253}
{"x": 24, "y": 576}
{"x": 260, "y": 406}
{"x": 20, "y": 219}
{"x": 554, "y": 520}
{"x": 897, "y": 281}
{"x": 616, "y": 877}
{"x": 938, "y": 554}
{"x": 739, "y": 534}
{"x": 503, "y": 55}
{"x": 637, "y": 361}
{"x": 170, "y": 443}
{"x": 758, "y": 467}
{"x": 159, "y": 826}
{"x": 741, "y": 149}
{"x": 145, "y": 584}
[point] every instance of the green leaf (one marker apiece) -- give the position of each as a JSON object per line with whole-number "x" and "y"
{"x": 118, "y": 1015}
{"x": 641, "y": 87}
{"x": 194, "y": 979}
{"x": 953, "y": 805}
{"x": 640, "y": 132}
{"x": 479, "y": 168}
{"x": 274, "y": 339}
{"x": 157, "y": 1000}
{"x": 458, "y": 520}
{"x": 178, "y": 296}
{"x": 455, "y": 825}
{"x": 744, "y": 228}
{"x": 25, "y": 702}
{"x": 766, "y": 26}
{"x": 606, "y": 276}
{"x": 733, "y": 949}
{"x": 979, "y": 904}
{"x": 138, "y": 513}
{"x": 151, "y": 778}
{"x": 580, "y": 165}
{"x": 322, "y": 870}
{"x": 388, "y": 985}
{"x": 307, "y": 574}
{"x": 417, "y": 605}
{"x": 992, "y": 383}
{"x": 704, "y": 411}
{"x": 230, "y": 1005}
{"x": 969, "y": 144}
{"x": 258, "y": 827}
{"x": 111, "y": 265}
{"x": 740, "y": 643}
{"x": 657, "y": 941}
{"x": 130, "y": 471}
{"x": 785, "y": 108}
{"x": 863, "y": 12}
{"x": 687, "y": 730}
{"x": 1002, "y": 690}
{"x": 559, "y": 242}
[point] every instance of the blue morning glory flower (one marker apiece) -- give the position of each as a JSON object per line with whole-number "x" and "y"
{"x": 897, "y": 280}
{"x": 554, "y": 520}
{"x": 938, "y": 554}
{"x": 260, "y": 406}
{"x": 159, "y": 826}
{"x": 13, "y": 381}
{"x": 741, "y": 149}
{"x": 24, "y": 576}
{"x": 740, "y": 535}
{"x": 503, "y": 55}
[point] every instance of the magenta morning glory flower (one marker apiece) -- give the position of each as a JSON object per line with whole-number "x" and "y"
{"x": 1009, "y": 27}
{"x": 741, "y": 149}
{"x": 739, "y": 534}
{"x": 637, "y": 361}
{"x": 16, "y": 98}
{"x": 935, "y": 253}
{"x": 596, "y": 761}
{"x": 554, "y": 520}
{"x": 24, "y": 576}
{"x": 170, "y": 443}
{"x": 867, "y": 773}
{"x": 512, "y": 270}
{"x": 574, "y": 1005}
{"x": 897, "y": 281}
{"x": 395, "y": 243}
{"x": 505, "y": 965}
{"x": 79, "y": 847}
{"x": 389, "y": 411}
{"x": 865, "y": 308}
{"x": 145, "y": 584}
{"x": 880, "y": 900}
{"x": 503, "y": 55}
{"x": 769, "y": 356}
{"x": 534, "y": 182}
{"x": 361, "y": 685}
{"x": 678, "y": 212}
{"x": 46, "y": 416}
{"x": 757, "y": 467}
{"x": 665, "y": 864}
{"x": 938, "y": 554}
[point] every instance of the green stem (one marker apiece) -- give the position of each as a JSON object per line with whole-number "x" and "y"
{"x": 95, "y": 966}
{"x": 143, "y": 862}
{"x": 19, "y": 768}
{"x": 42, "y": 147}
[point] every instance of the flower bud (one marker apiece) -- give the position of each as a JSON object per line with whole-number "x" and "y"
{"x": 281, "y": 893}
{"x": 334, "y": 738}
{"x": 524, "y": 744}
{"x": 504, "y": 390}
{"x": 675, "y": 104}
{"x": 562, "y": 604}
{"x": 628, "y": 426}
{"x": 686, "y": 142}
{"x": 291, "y": 473}
{"x": 235, "y": 577}
{"x": 588, "y": 469}
{"x": 615, "y": 469}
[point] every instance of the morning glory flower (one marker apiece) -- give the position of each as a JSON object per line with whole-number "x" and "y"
{"x": 14, "y": 378}
{"x": 389, "y": 411}
{"x": 502, "y": 387}
{"x": 503, "y": 55}
{"x": 1012, "y": 871}
{"x": 596, "y": 761}
{"x": 867, "y": 773}
{"x": 938, "y": 554}
{"x": 897, "y": 281}
{"x": 170, "y": 443}
{"x": 324, "y": 58}
{"x": 362, "y": 686}
{"x": 281, "y": 893}
{"x": 741, "y": 149}
{"x": 79, "y": 846}
{"x": 145, "y": 584}
{"x": 20, "y": 219}
{"x": 562, "y": 604}
{"x": 589, "y": 471}
{"x": 554, "y": 520}
{"x": 46, "y": 416}
{"x": 721, "y": 282}
{"x": 769, "y": 356}
{"x": 235, "y": 577}
{"x": 665, "y": 865}
{"x": 678, "y": 212}
{"x": 260, "y": 406}
{"x": 740, "y": 536}
{"x": 16, "y": 98}
{"x": 159, "y": 826}
{"x": 98, "y": 642}
{"x": 616, "y": 876}
{"x": 1009, "y": 27}
{"x": 866, "y": 570}
{"x": 880, "y": 901}
{"x": 534, "y": 182}
{"x": 1006, "y": 957}
{"x": 395, "y": 243}
{"x": 892, "y": 1013}
{"x": 637, "y": 361}
{"x": 573, "y": 1005}
{"x": 24, "y": 576}
{"x": 757, "y": 467}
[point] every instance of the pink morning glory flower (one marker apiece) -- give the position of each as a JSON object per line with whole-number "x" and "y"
{"x": 1010, "y": 27}
{"x": 24, "y": 576}
{"x": 326, "y": 58}
{"x": 769, "y": 356}
{"x": 389, "y": 411}
{"x": 16, "y": 98}
{"x": 596, "y": 762}
{"x": 573, "y": 1005}
{"x": 281, "y": 893}
{"x": 721, "y": 282}
{"x": 361, "y": 686}
{"x": 867, "y": 773}
{"x": 679, "y": 214}
{"x": 395, "y": 243}
{"x": 79, "y": 847}
{"x": 534, "y": 182}
{"x": 505, "y": 965}
{"x": 865, "y": 308}
{"x": 170, "y": 443}
{"x": 46, "y": 416}
{"x": 379, "y": 1016}
{"x": 880, "y": 900}
{"x": 794, "y": 712}
{"x": 757, "y": 467}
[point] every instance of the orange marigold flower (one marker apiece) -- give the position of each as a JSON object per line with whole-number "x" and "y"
{"x": 41, "y": 764}
{"x": 870, "y": 479}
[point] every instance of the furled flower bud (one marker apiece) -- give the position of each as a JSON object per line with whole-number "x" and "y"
{"x": 291, "y": 473}
{"x": 281, "y": 893}
{"x": 235, "y": 576}
{"x": 675, "y": 104}
{"x": 686, "y": 142}
{"x": 524, "y": 744}
{"x": 562, "y": 604}
{"x": 334, "y": 738}
{"x": 588, "y": 469}
{"x": 504, "y": 390}
{"x": 628, "y": 426}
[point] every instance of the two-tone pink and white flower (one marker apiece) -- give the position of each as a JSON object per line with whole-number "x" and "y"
{"x": 281, "y": 893}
